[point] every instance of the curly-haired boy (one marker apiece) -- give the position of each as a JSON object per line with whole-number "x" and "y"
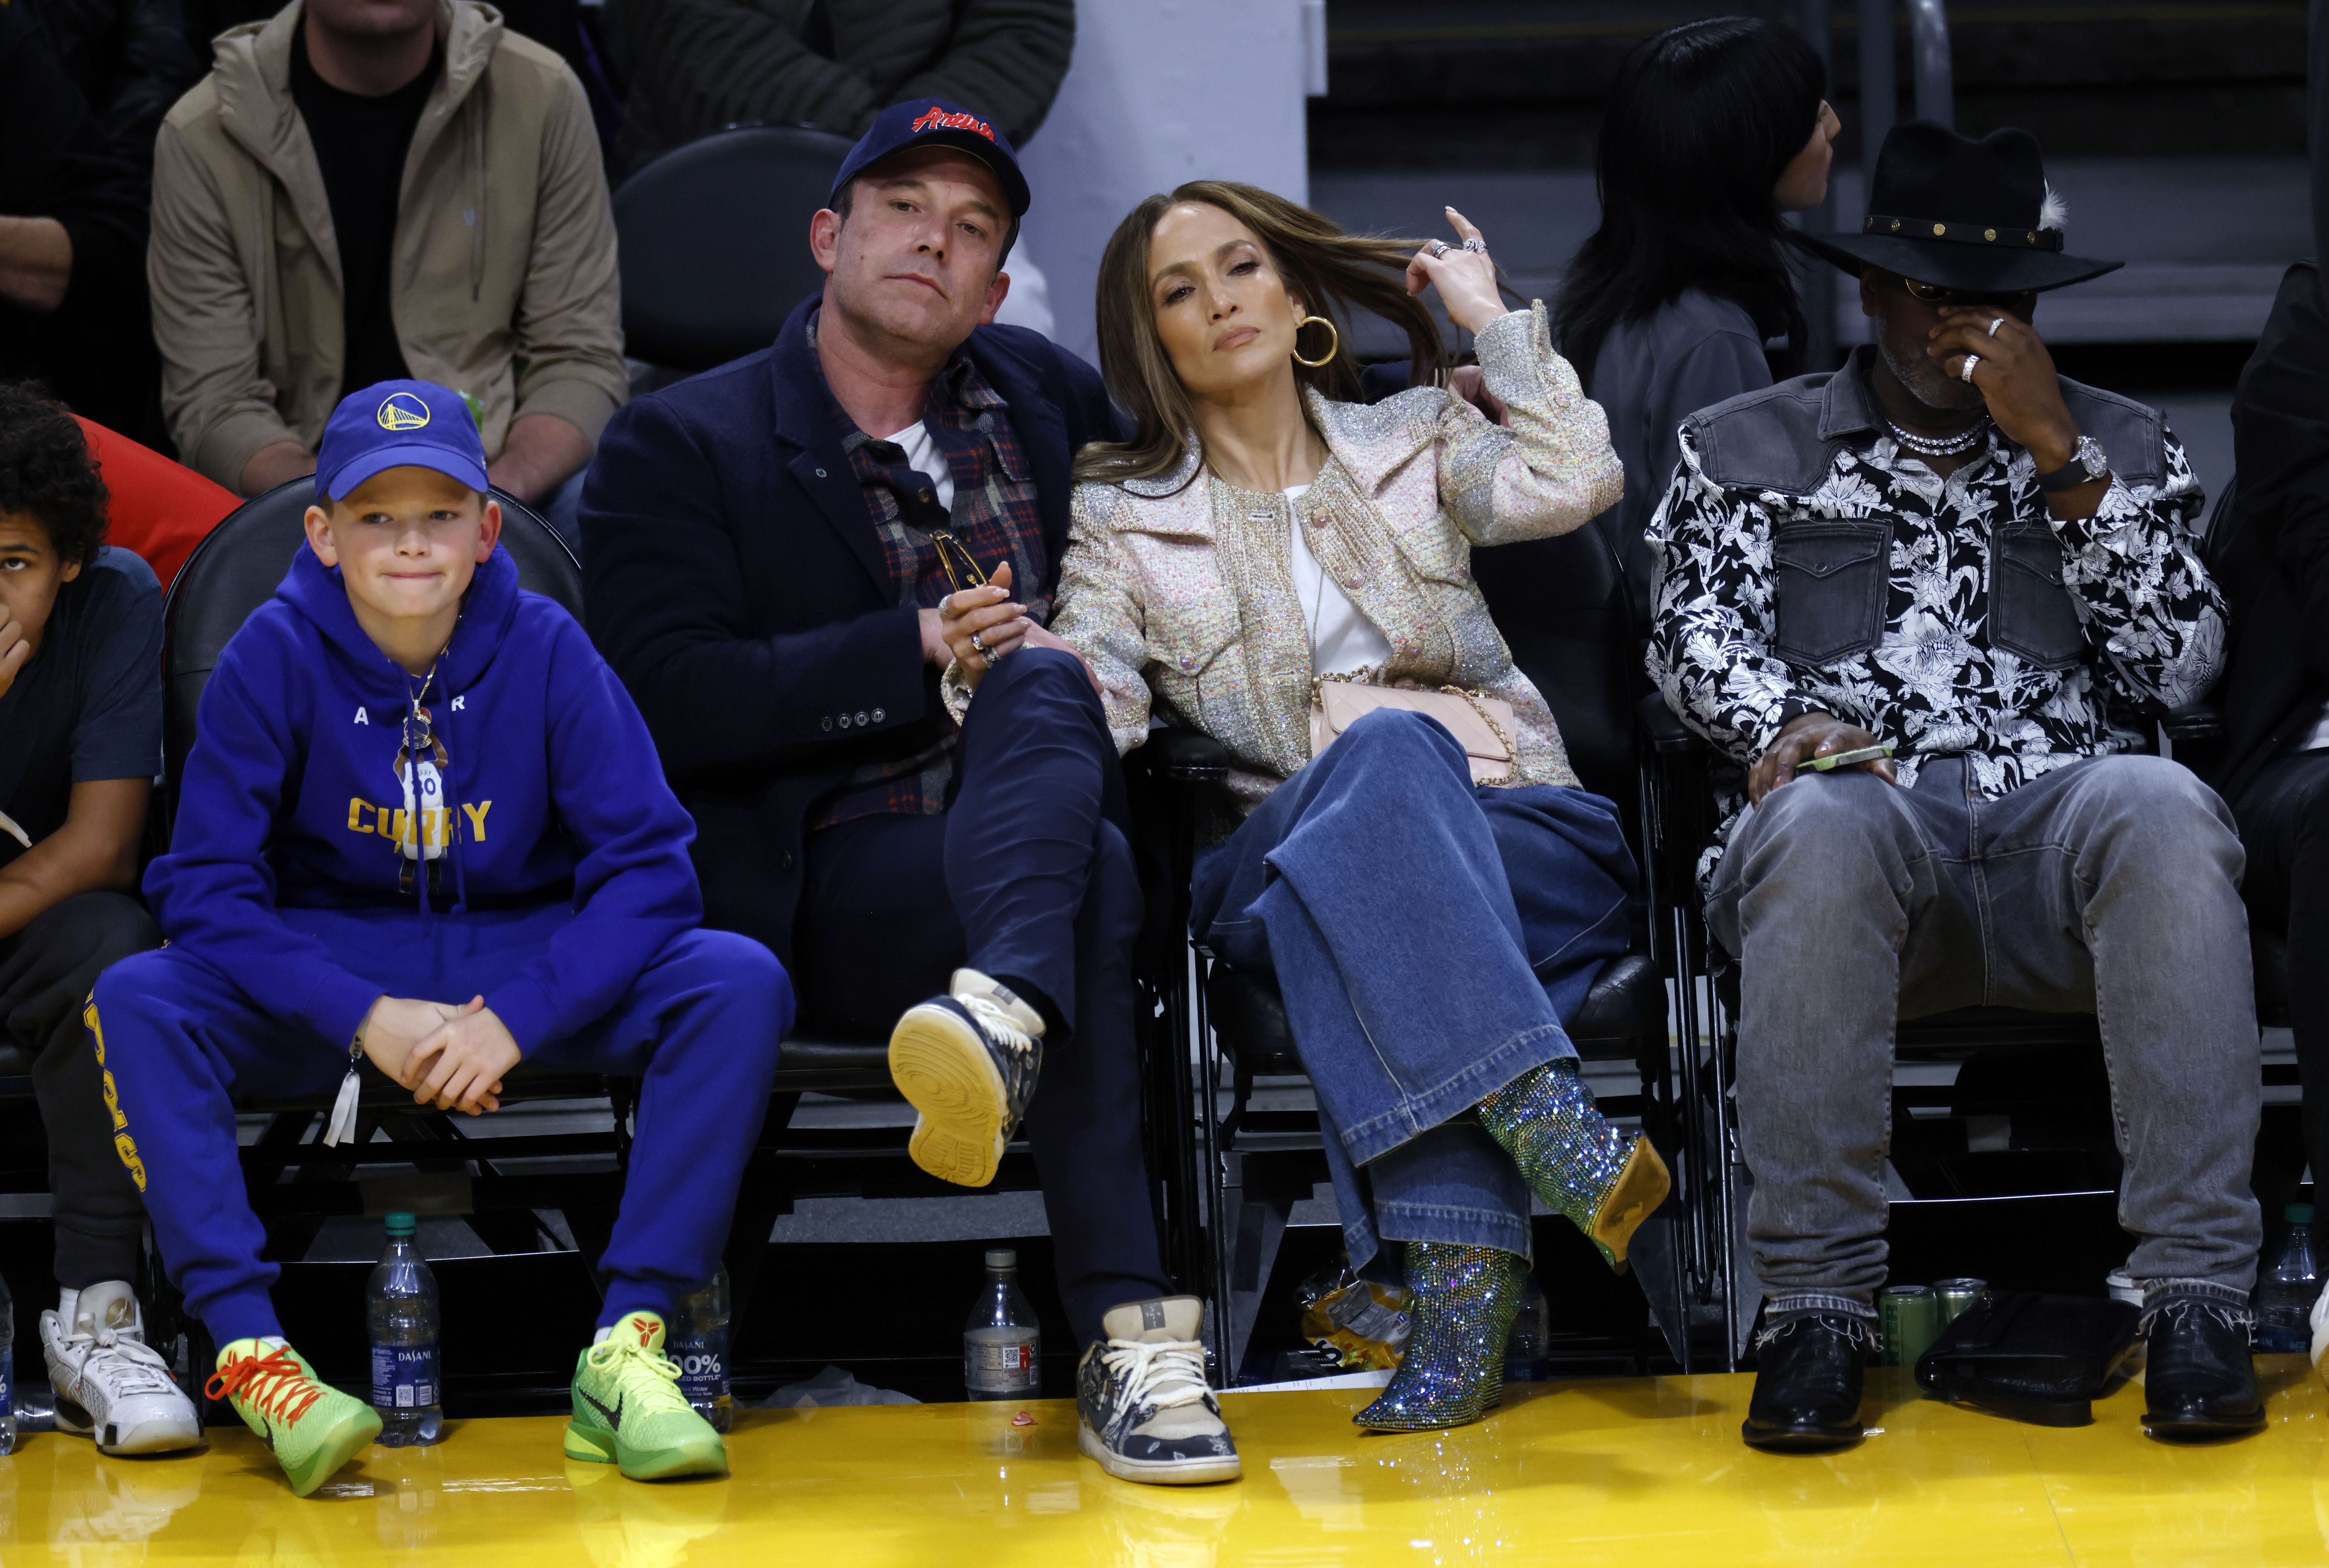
{"x": 80, "y": 739}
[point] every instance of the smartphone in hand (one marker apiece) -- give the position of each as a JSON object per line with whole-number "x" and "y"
{"x": 1834, "y": 760}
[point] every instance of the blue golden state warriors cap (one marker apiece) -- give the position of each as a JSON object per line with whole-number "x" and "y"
{"x": 935, "y": 122}
{"x": 395, "y": 424}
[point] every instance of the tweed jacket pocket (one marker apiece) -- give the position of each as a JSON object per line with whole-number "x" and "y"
{"x": 1195, "y": 664}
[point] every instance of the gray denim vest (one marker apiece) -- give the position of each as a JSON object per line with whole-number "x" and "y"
{"x": 1830, "y": 575}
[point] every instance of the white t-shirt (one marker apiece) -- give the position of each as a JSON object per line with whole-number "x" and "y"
{"x": 923, "y": 456}
{"x": 1342, "y": 640}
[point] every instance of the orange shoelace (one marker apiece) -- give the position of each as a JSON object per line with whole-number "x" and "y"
{"x": 293, "y": 1393}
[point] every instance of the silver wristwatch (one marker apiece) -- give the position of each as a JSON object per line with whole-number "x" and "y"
{"x": 2086, "y": 466}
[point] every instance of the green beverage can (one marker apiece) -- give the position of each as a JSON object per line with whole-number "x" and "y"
{"x": 1910, "y": 1316}
{"x": 1957, "y": 1295}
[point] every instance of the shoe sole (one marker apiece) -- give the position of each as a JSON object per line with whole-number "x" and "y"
{"x": 146, "y": 1437}
{"x": 352, "y": 1433}
{"x": 1636, "y": 1193}
{"x": 1157, "y": 1472}
{"x": 1482, "y": 1413}
{"x": 1803, "y": 1439}
{"x": 941, "y": 1066}
{"x": 655, "y": 1464}
{"x": 2167, "y": 1430}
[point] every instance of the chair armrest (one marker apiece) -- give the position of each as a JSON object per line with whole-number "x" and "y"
{"x": 1662, "y": 730}
{"x": 1180, "y": 756}
{"x": 2193, "y": 723}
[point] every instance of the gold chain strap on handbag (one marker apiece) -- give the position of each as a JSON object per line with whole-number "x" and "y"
{"x": 1365, "y": 678}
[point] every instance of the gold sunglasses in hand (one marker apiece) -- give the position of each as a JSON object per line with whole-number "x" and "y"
{"x": 950, "y": 550}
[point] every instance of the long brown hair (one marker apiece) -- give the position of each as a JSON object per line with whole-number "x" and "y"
{"x": 1332, "y": 273}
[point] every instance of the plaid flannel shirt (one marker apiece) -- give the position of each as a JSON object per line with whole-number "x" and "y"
{"x": 994, "y": 516}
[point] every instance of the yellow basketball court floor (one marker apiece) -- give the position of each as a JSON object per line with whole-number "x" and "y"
{"x": 1644, "y": 1471}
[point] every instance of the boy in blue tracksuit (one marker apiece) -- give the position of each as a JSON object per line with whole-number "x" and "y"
{"x": 422, "y": 823}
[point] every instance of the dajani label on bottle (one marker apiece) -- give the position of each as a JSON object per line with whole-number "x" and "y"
{"x": 404, "y": 1376}
{"x": 1001, "y": 1366}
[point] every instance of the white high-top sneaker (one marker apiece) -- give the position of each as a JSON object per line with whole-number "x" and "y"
{"x": 109, "y": 1383}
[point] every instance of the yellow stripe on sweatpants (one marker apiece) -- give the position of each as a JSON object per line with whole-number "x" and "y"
{"x": 123, "y": 1144}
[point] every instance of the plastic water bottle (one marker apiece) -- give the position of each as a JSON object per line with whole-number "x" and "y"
{"x": 2285, "y": 1291}
{"x": 1532, "y": 1336}
{"x": 700, "y": 1346}
{"x": 7, "y": 1371}
{"x": 1002, "y": 1347}
{"x": 400, "y": 1312}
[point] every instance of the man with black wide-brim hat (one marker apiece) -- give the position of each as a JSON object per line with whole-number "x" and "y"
{"x": 1946, "y": 552}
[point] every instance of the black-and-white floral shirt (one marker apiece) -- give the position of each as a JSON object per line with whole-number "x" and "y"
{"x": 1951, "y": 616}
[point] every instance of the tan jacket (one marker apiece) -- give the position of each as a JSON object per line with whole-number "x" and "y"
{"x": 502, "y": 279}
{"x": 1182, "y": 594}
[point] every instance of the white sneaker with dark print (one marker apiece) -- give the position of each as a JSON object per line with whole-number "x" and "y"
{"x": 967, "y": 1062}
{"x": 109, "y": 1383}
{"x": 1142, "y": 1406}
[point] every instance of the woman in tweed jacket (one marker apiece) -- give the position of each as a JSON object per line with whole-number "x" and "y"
{"x": 1430, "y": 935}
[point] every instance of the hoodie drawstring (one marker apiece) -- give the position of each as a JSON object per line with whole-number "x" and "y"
{"x": 453, "y": 829}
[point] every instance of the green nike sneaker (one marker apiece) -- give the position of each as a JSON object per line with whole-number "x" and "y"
{"x": 628, "y": 1410}
{"x": 312, "y": 1428}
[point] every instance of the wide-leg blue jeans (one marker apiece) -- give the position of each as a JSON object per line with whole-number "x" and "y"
{"x": 1432, "y": 938}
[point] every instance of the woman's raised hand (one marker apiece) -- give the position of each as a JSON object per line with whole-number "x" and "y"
{"x": 1466, "y": 277}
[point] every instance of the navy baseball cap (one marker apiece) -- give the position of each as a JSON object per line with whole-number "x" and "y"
{"x": 393, "y": 424}
{"x": 934, "y": 122}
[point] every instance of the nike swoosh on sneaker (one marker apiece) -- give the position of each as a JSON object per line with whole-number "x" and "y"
{"x": 267, "y": 1433}
{"x": 613, "y": 1418}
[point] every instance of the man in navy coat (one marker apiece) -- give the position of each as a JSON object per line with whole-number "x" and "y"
{"x": 790, "y": 561}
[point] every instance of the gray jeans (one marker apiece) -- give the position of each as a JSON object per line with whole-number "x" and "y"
{"x": 2110, "y": 887}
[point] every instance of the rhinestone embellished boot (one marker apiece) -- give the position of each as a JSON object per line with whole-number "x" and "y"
{"x": 1464, "y": 1303}
{"x": 1606, "y": 1181}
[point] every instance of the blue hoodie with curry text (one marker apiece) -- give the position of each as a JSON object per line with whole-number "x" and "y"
{"x": 296, "y": 798}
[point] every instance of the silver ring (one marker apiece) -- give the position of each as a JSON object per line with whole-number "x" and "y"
{"x": 1966, "y": 375}
{"x": 1438, "y": 247}
{"x": 1477, "y": 246}
{"x": 984, "y": 651}
{"x": 1995, "y": 325}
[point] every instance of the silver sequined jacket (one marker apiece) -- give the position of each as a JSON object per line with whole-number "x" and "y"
{"x": 1181, "y": 594}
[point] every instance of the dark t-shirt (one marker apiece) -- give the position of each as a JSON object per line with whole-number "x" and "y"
{"x": 360, "y": 144}
{"x": 89, "y": 704}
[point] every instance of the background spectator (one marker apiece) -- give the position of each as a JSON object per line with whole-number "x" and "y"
{"x": 284, "y": 278}
{"x": 699, "y": 65}
{"x": 129, "y": 60}
{"x": 2272, "y": 558}
{"x": 72, "y": 229}
{"x": 1712, "y": 129}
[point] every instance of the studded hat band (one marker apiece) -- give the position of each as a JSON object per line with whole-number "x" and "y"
{"x": 1962, "y": 233}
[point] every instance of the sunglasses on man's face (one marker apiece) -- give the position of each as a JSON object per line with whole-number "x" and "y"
{"x": 1952, "y": 298}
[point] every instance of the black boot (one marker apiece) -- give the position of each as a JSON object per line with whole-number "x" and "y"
{"x": 2198, "y": 1379}
{"x": 1807, "y": 1393}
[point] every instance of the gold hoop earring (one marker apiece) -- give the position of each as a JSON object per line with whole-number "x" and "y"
{"x": 1334, "y": 349}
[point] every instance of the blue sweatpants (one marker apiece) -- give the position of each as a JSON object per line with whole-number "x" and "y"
{"x": 699, "y": 1028}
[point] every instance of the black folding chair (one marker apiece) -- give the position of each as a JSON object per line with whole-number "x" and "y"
{"x": 713, "y": 239}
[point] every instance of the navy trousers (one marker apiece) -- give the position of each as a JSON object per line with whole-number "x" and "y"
{"x": 699, "y": 1028}
{"x": 1027, "y": 877}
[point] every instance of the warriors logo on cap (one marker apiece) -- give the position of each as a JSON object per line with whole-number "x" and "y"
{"x": 403, "y": 411}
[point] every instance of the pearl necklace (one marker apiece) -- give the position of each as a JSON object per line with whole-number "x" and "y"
{"x": 1954, "y": 446}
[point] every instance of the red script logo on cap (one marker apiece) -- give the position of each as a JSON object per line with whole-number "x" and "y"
{"x": 936, "y": 119}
